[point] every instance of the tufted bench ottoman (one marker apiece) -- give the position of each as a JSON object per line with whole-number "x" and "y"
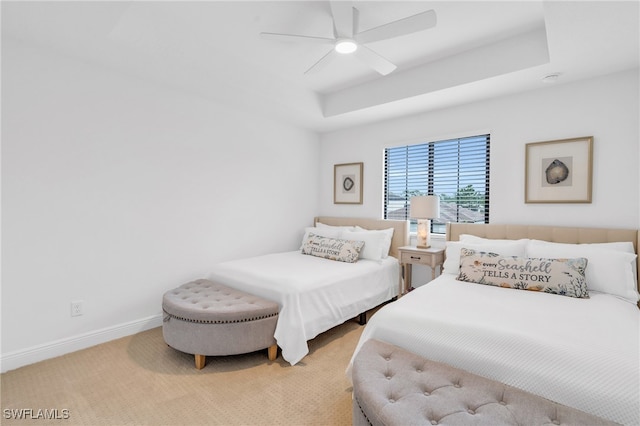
{"x": 392, "y": 386}
{"x": 207, "y": 318}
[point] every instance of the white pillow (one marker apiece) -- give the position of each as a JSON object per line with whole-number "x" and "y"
{"x": 475, "y": 239}
{"x": 387, "y": 242}
{"x": 375, "y": 243}
{"x": 626, "y": 246}
{"x": 611, "y": 268}
{"x": 501, "y": 247}
{"x": 388, "y": 237}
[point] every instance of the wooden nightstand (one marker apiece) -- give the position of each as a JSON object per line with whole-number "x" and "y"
{"x": 411, "y": 255}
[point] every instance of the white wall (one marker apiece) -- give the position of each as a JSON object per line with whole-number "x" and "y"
{"x": 115, "y": 190}
{"x": 606, "y": 108}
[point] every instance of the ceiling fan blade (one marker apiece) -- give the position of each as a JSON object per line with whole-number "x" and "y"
{"x": 342, "y": 12}
{"x": 374, "y": 60}
{"x": 411, "y": 24}
{"x": 322, "y": 62}
{"x": 356, "y": 21}
{"x": 294, "y": 37}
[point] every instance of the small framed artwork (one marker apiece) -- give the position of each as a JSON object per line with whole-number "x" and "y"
{"x": 559, "y": 171}
{"x": 347, "y": 183}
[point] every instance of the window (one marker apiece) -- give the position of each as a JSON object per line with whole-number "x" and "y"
{"x": 457, "y": 170}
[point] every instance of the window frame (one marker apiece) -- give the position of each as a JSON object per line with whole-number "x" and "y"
{"x": 466, "y": 150}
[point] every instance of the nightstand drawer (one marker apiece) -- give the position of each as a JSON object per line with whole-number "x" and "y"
{"x": 424, "y": 259}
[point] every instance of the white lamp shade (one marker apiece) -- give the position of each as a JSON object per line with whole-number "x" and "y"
{"x": 425, "y": 207}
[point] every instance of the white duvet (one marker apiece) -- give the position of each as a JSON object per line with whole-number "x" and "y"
{"x": 314, "y": 294}
{"x": 584, "y": 353}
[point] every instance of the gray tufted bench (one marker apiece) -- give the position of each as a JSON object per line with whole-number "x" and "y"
{"x": 207, "y": 318}
{"x": 392, "y": 386}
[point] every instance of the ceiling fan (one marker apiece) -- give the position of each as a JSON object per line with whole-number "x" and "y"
{"x": 349, "y": 40}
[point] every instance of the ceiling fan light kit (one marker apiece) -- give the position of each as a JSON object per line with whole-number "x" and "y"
{"x": 346, "y": 46}
{"x": 347, "y": 39}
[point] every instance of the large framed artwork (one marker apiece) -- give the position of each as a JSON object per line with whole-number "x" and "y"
{"x": 559, "y": 171}
{"x": 347, "y": 183}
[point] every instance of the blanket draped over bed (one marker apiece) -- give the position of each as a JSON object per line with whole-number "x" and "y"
{"x": 314, "y": 294}
{"x": 583, "y": 353}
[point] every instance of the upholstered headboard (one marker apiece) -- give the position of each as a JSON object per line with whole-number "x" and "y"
{"x": 400, "y": 228}
{"x": 557, "y": 234}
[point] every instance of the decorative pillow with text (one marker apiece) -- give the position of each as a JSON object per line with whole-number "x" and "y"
{"x": 565, "y": 277}
{"x": 332, "y": 248}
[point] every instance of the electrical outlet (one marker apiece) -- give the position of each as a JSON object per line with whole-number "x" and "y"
{"x": 76, "y": 308}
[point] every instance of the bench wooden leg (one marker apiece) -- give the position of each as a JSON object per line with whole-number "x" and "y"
{"x": 272, "y": 352}
{"x": 200, "y": 361}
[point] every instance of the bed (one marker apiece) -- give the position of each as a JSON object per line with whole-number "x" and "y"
{"x": 316, "y": 294}
{"x": 579, "y": 352}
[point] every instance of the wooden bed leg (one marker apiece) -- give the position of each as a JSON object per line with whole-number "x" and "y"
{"x": 200, "y": 361}
{"x": 363, "y": 318}
{"x": 272, "y": 352}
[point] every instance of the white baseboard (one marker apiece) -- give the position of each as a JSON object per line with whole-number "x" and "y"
{"x": 17, "y": 359}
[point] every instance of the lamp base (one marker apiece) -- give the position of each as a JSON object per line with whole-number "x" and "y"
{"x": 424, "y": 228}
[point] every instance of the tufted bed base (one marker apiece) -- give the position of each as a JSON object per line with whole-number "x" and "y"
{"x": 392, "y": 386}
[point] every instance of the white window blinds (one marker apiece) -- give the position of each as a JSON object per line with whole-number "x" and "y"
{"x": 457, "y": 170}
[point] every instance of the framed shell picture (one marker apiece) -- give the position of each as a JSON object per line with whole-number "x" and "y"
{"x": 559, "y": 171}
{"x": 347, "y": 183}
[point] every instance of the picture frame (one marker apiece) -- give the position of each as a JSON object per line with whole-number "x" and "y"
{"x": 347, "y": 183}
{"x": 559, "y": 171}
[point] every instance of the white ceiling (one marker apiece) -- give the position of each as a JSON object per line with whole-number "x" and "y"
{"x": 477, "y": 50}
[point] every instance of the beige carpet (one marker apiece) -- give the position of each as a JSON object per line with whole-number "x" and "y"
{"x": 139, "y": 380}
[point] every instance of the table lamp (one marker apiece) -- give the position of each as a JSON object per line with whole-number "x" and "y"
{"x": 424, "y": 208}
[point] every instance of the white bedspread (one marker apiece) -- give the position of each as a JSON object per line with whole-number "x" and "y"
{"x": 583, "y": 353}
{"x": 314, "y": 294}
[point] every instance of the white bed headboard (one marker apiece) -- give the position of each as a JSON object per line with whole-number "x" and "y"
{"x": 400, "y": 228}
{"x": 557, "y": 234}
